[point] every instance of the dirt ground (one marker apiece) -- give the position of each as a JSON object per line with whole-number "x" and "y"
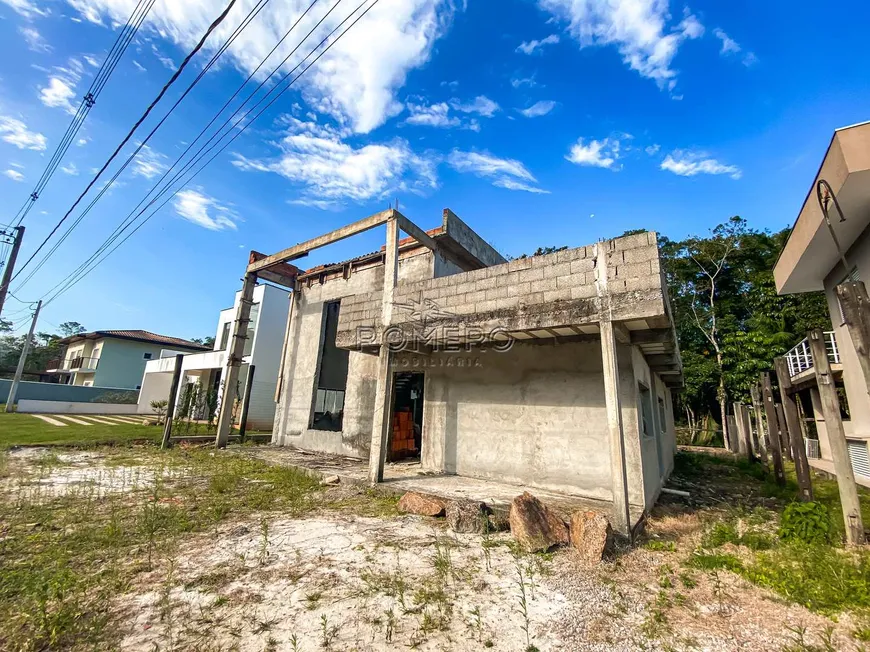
{"x": 334, "y": 580}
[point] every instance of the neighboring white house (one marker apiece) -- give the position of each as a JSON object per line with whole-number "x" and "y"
{"x": 262, "y": 351}
{"x": 113, "y": 358}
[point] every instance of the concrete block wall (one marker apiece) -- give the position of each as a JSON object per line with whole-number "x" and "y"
{"x": 548, "y": 291}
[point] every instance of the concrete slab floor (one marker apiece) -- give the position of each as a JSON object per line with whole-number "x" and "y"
{"x": 400, "y": 477}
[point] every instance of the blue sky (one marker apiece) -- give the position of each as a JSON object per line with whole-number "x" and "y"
{"x": 548, "y": 122}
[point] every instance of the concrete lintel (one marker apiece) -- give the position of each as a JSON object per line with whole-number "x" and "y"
{"x": 300, "y": 250}
{"x": 656, "y": 336}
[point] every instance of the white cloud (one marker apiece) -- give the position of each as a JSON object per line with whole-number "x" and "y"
{"x": 58, "y": 94}
{"x": 15, "y": 175}
{"x": 331, "y": 170}
{"x": 731, "y": 47}
{"x": 70, "y": 169}
{"x": 205, "y": 211}
{"x": 690, "y": 163}
{"x": 81, "y": 142}
{"x": 15, "y": 132}
{"x": 139, "y": 66}
{"x": 530, "y": 47}
{"x": 481, "y": 105}
{"x": 355, "y": 82}
{"x": 436, "y": 115}
{"x": 518, "y": 82}
{"x": 637, "y": 28}
{"x": 149, "y": 163}
{"x": 34, "y": 39}
{"x": 162, "y": 58}
{"x": 538, "y": 109}
{"x": 503, "y": 172}
{"x": 91, "y": 61}
{"x": 596, "y": 153}
{"x": 653, "y": 149}
{"x": 25, "y": 8}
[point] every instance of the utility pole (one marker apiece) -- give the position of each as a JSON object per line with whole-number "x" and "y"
{"x": 10, "y": 264}
{"x": 13, "y": 391}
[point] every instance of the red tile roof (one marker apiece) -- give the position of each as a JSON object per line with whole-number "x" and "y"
{"x": 138, "y": 336}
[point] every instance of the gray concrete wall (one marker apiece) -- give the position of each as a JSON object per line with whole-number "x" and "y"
{"x": 533, "y": 415}
{"x": 292, "y": 418}
{"x": 538, "y": 292}
{"x": 29, "y": 390}
{"x": 470, "y": 241}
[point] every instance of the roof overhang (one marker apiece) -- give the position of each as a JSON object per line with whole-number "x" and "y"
{"x": 810, "y": 254}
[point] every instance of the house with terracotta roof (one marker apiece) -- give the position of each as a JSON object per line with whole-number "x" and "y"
{"x": 114, "y": 358}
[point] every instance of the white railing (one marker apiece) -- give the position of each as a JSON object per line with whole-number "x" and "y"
{"x": 800, "y": 358}
{"x": 813, "y": 451}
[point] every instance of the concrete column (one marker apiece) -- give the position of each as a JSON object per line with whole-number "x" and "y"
{"x": 283, "y": 388}
{"x": 621, "y": 520}
{"x": 384, "y": 396}
{"x": 234, "y": 360}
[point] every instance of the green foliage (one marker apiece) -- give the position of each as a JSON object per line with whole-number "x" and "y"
{"x": 754, "y": 324}
{"x": 820, "y": 578}
{"x": 715, "y": 561}
{"x": 806, "y": 523}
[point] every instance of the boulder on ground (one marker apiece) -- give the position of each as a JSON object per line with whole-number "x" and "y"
{"x": 535, "y": 526}
{"x": 468, "y": 516}
{"x": 413, "y": 502}
{"x": 330, "y": 480}
{"x": 591, "y": 535}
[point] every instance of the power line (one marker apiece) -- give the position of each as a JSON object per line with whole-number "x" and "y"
{"x": 83, "y": 269}
{"x": 129, "y": 135}
{"x": 130, "y": 217}
{"x": 229, "y": 41}
{"x": 124, "y": 39}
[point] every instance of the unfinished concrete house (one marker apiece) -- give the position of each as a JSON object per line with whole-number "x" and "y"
{"x": 552, "y": 372}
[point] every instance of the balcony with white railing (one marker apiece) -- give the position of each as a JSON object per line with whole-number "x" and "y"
{"x": 74, "y": 363}
{"x": 800, "y": 358}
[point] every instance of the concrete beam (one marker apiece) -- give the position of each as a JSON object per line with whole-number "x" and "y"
{"x": 282, "y": 274}
{"x": 663, "y": 361}
{"x": 300, "y": 250}
{"x": 426, "y": 240}
{"x": 658, "y": 336}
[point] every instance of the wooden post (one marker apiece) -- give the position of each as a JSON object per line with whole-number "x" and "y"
{"x": 10, "y": 265}
{"x": 741, "y": 416}
{"x": 170, "y": 405}
{"x": 837, "y": 440}
{"x": 856, "y": 314}
{"x": 783, "y": 433}
{"x": 793, "y": 426}
{"x": 234, "y": 359}
{"x": 770, "y": 412}
{"x": 383, "y": 416}
{"x": 760, "y": 442}
{"x": 246, "y": 401}
{"x": 735, "y": 439}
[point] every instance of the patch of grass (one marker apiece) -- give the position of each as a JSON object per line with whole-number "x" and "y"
{"x": 714, "y": 561}
{"x": 26, "y": 430}
{"x": 821, "y": 578}
{"x": 65, "y": 558}
{"x": 660, "y": 546}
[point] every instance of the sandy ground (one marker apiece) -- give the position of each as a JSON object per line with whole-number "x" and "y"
{"x": 337, "y": 581}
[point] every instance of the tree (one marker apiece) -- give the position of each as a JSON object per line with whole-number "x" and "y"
{"x": 70, "y": 328}
{"x": 205, "y": 341}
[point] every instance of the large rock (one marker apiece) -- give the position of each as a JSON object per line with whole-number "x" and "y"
{"x": 535, "y": 526}
{"x": 423, "y": 504}
{"x": 591, "y": 535}
{"x": 468, "y": 516}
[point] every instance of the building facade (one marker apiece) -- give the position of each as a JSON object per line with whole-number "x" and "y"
{"x": 553, "y": 371}
{"x": 113, "y": 358}
{"x": 204, "y": 370}
{"x": 819, "y": 257}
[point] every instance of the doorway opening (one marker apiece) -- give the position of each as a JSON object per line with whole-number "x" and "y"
{"x": 406, "y": 440}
